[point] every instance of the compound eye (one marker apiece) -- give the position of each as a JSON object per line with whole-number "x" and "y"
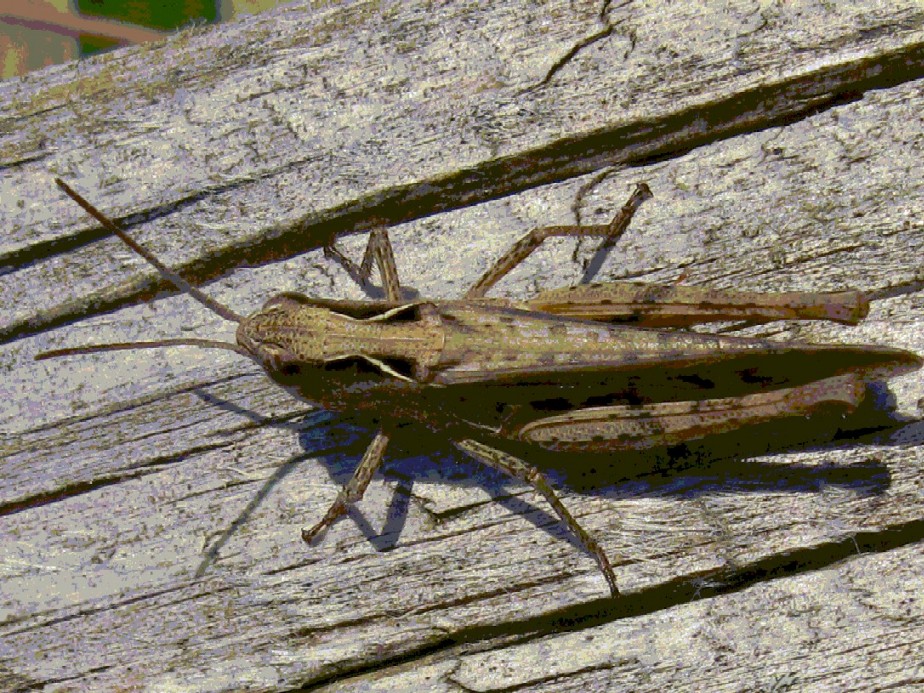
{"x": 290, "y": 369}
{"x": 279, "y": 361}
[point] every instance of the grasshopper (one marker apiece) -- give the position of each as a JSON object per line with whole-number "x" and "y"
{"x": 585, "y": 369}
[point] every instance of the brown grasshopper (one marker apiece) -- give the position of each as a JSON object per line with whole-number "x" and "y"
{"x": 577, "y": 369}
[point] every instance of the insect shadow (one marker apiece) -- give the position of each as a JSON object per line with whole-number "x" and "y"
{"x": 741, "y": 461}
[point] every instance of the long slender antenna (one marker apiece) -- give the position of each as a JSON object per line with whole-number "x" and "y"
{"x": 126, "y": 346}
{"x": 169, "y": 274}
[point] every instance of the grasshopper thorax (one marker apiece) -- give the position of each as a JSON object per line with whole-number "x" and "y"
{"x": 292, "y": 334}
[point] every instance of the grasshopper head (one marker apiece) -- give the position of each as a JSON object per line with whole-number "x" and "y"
{"x": 285, "y": 335}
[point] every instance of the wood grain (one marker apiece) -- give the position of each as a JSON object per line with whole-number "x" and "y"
{"x": 152, "y": 502}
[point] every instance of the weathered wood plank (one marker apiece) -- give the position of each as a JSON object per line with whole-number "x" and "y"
{"x": 307, "y": 124}
{"x": 850, "y": 626}
{"x": 153, "y": 541}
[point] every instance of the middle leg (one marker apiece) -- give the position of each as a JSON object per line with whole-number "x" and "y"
{"x": 519, "y": 469}
{"x": 526, "y": 245}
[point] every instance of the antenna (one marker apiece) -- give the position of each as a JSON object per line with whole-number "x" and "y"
{"x": 167, "y": 273}
{"x": 126, "y": 346}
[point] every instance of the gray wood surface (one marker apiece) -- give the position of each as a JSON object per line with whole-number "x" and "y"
{"x": 152, "y": 501}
